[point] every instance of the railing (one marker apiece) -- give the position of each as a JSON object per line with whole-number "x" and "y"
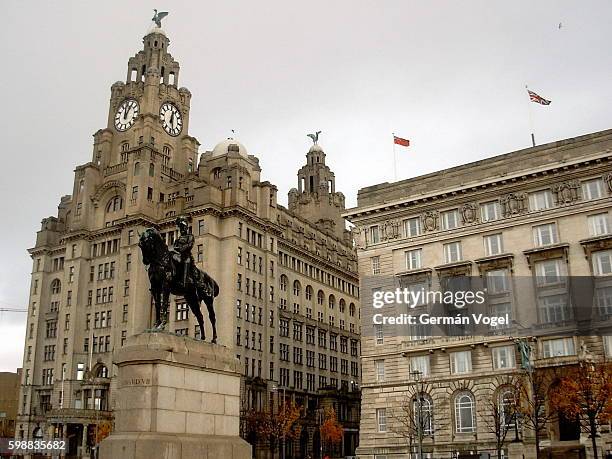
{"x": 110, "y": 170}
{"x": 171, "y": 172}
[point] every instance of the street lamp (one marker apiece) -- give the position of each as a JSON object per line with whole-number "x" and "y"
{"x": 416, "y": 377}
{"x": 275, "y": 389}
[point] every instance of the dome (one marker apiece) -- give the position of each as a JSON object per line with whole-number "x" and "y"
{"x": 155, "y": 29}
{"x": 230, "y": 146}
{"x": 316, "y": 148}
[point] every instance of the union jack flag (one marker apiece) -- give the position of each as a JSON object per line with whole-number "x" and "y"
{"x": 537, "y": 99}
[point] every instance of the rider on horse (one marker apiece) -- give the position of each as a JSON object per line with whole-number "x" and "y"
{"x": 182, "y": 251}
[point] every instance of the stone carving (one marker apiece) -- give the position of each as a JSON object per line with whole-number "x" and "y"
{"x": 157, "y": 17}
{"x": 514, "y": 204}
{"x": 430, "y": 220}
{"x": 469, "y": 213}
{"x": 566, "y": 192}
{"x": 608, "y": 179}
{"x": 390, "y": 230}
{"x": 359, "y": 236}
{"x": 167, "y": 274}
{"x": 314, "y": 137}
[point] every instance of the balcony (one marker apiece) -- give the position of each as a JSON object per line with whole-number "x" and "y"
{"x": 74, "y": 415}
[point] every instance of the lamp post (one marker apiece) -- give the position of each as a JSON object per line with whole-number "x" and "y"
{"x": 416, "y": 377}
{"x": 275, "y": 389}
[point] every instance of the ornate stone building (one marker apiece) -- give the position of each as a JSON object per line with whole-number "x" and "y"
{"x": 521, "y": 224}
{"x": 289, "y": 296}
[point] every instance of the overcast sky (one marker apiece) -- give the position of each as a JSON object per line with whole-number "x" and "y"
{"x": 448, "y": 75}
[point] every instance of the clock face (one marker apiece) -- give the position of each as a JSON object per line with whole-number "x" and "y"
{"x": 126, "y": 114}
{"x": 171, "y": 118}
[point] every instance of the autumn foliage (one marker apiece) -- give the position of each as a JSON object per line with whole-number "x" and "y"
{"x": 331, "y": 429}
{"x": 274, "y": 426}
{"x": 104, "y": 430}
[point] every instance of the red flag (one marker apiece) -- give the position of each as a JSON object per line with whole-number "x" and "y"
{"x": 400, "y": 141}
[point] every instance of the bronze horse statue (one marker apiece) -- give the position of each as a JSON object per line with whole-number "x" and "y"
{"x": 166, "y": 278}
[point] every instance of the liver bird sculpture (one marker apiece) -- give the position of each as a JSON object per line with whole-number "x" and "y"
{"x": 157, "y": 17}
{"x": 314, "y": 137}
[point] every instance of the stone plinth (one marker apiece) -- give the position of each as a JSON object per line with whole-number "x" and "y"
{"x": 176, "y": 398}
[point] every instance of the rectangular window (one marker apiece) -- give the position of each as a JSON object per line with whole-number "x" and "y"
{"x": 381, "y": 419}
{"x": 497, "y": 281}
{"x": 420, "y": 363}
{"x": 548, "y": 272}
{"x": 558, "y": 347}
{"x": 599, "y": 224}
{"x": 412, "y": 227}
{"x": 493, "y": 244}
{"x": 503, "y": 357}
{"x": 452, "y": 252}
{"x": 545, "y": 234}
{"x": 380, "y": 370}
{"x": 608, "y": 345}
{"x": 374, "y": 235}
{"x": 603, "y": 298}
{"x": 553, "y": 309}
{"x": 540, "y": 200}
{"x": 200, "y": 227}
{"x": 413, "y": 259}
{"x": 450, "y": 219}
{"x": 375, "y": 265}
{"x": 592, "y": 189}
{"x": 490, "y": 211}
{"x": 461, "y": 362}
{"x": 602, "y": 263}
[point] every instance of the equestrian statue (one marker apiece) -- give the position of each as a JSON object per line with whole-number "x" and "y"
{"x": 174, "y": 272}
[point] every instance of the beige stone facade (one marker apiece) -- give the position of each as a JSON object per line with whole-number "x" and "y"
{"x": 9, "y": 402}
{"x": 285, "y": 275}
{"x": 543, "y": 211}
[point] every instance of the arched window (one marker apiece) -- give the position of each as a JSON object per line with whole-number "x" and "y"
{"x": 81, "y": 186}
{"x": 151, "y": 170}
{"x": 309, "y": 292}
{"x": 56, "y": 286}
{"x": 332, "y": 301}
{"x": 125, "y": 146}
{"x": 423, "y": 413}
{"x": 115, "y": 204}
{"x": 296, "y": 288}
{"x": 216, "y": 173}
{"x": 320, "y": 297}
{"x": 342, "y": 305}
{"x": 136, "y": 169}
{"x": 465, "y": 415}
{"x": 102, "y": 372}
{"x": 37, "y": 434}
{"x": 507, "y": 404}
{"x": 190, "y": 165}
{"x": 283, "y": 283}
{"x": 352, "y": 309}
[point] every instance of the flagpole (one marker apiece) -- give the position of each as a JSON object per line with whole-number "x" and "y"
{"x": 530, "y": 118}
{"x": 394, "y": 159}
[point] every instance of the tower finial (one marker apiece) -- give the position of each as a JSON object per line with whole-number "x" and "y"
{"x": 314, "y": 137}
{"x": 157, "y": 17}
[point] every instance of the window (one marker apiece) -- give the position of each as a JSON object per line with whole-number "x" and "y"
{"x": 420, "y": 363}
{"x": 489, "y": 211}
{"x": 599, "y": 224}
{"x": 182, "y": 311}
{"x": 603, "y": 298}
{"x": 378, "y": 330}
{"x": 412, "y": 227}
{"x": 548, "y": 272}
{"x": 540, "y": 200}
{"x": 607, "y": 345}
{"x": 375, "y": 265}
{"x": 602, "y": 263}
{"x": 379, "y": 366}
{"x": 413, "y": 259}
{"x": 450, "y": 219}
{"x": 56, "y": 287}
{"x": 497, "y": 281}
{"x": 381, "y": 419}
{"x": 424, "y": 407}
{"x": 493, "y": 244}
{"x": 80, "y": 371}
{"x": 558, "y": 347}
{"x": 374, "y": 235}
{"x": 452, "y": 252}
{"x": 507, "y": 404}
{"x": 545, "y": 234}
{"x": 465, "y": 416}
{"x": 201, "y": 228}
{"x": 553, "y": 309}
{"x": 503, "y": 357}
{"x": 461, "y": 362}
{"x": 592, "y": 189}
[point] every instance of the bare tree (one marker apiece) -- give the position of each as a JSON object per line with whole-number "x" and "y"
{"x": 500, "y": 409}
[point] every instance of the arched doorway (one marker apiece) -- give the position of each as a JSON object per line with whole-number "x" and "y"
{"x": 304, "y": 443}
{"x": 316, "y": 445}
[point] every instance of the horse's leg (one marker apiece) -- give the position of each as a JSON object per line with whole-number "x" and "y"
{"x": 157, "y": 304}
{"x": 194, "y": 304}
{"x": 165, "y": 305}
{"x": 209, "y": 300}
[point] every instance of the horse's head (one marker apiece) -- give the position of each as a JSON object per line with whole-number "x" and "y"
{"x": 151, "y": 245}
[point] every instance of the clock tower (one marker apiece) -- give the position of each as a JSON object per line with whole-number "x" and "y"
{"x": 149, "y": 109}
